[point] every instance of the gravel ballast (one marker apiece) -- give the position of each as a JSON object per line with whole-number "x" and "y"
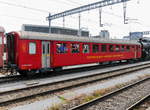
{"x": 43, "y": 104}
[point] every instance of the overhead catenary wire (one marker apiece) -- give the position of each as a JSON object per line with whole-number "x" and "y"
{"x": 40, "y": 10}
{"x": 23, "y": 6}
{"x": 22, "y": 18}
{"x": 34, "y": 9}
{"x": 73, "y": 2}
{"x": 115, "y": 25}
{"x": 79, "y": 3}
{"x": 68, "y": 4}
{"x": 45, "y": 11}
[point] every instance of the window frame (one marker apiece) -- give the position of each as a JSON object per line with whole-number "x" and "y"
{"x": 103, "y": 49}
{"x": 61, "y": 44}
{"x": 122, "y": 48}
{"x": 73, "y": 49}
{"x": 1, "y": 40}
{"x": 133, "y": 48}
{"x": 83, "y": 49}
{"x": 111, "y": 48}
{"x": 97, "y": 49}
{"x": 35, "y": 48}
{"x": 139, "y": 48}
{"x": 117, "y": 48}
{"x": 128, "y": 48}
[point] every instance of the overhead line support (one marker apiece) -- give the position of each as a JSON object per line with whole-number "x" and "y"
{"x": 86, "y": 8}
{"x": 124, "y": 12}
{"x": 82, "y": 9}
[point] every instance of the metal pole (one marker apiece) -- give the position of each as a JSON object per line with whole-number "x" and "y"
{"x": 124, "y": 12}
{"x": 63, "y": 21}
{"x": 79, "y": 32}
{"x": 100, "y": 17}
{"x": 49, "y": 22}
{"x": 88, "y": 7}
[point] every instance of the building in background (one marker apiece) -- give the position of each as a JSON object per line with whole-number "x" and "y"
{"x": 104, "y": 34}
{"x": 54, "y": 29}
{"x": 126, "y": 37}
{"x": 135, "y": 35}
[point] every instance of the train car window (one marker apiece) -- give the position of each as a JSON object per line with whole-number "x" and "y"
{"x": 117, "y": 49}
{"x": 5, "y": 48}
{"x": 128, "y": 48}
{"x": 95, "y": 48}
{"x": 32, "y": 48}
{"x": 43, "y": 49}
{"x": 139, "y": 49}
{"x": 75, "y": 48}
{"x": 103, "y": 48}
{"x": 122, "y": 48}
{"x": 0, "y": 39}
{"x": 61, "y": 48}
{"x": 48, "y": 48}
{"x": 133, "y": 48}
{"x": 85, "y": 48}
{"x": 111, "y": 48}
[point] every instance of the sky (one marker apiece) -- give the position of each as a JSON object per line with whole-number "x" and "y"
{"x": 14, "y": 13}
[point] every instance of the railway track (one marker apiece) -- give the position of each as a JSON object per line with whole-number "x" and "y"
{"x": 137, "y": 105}
{"x": 8, "y": 79}
{"x": 32, "y": 91}
{"x": 121, "y": 99}
{"x": 14, "y": 78}
{"x": 17, "y": 78}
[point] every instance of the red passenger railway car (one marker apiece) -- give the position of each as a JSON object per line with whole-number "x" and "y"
{"x": 32, "y": 51}
{"x": 1, "y": 46}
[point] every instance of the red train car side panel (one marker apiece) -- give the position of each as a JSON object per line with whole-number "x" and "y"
{"x": 28, "y": 59}
{"x": 35, "y": 51}
{"x": 1, "y": 46}
{"x": 69, "y": 58}
{"x": 23, "y": 55}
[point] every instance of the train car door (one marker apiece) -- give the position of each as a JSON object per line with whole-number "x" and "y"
{"x": 45, "y": 54}
{"x": 136, "y": 51}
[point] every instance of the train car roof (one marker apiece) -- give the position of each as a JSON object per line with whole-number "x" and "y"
{"x": 60, "y": 37}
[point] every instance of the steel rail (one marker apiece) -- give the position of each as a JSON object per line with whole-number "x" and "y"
{"x": 138, "y": 102}
{"x": 12, "y": 78}
{"x": 87, "y": 76}
{"x": 107, "y": 96}
{"x": 6, "y": 79}
{"x": 5, "y": 103}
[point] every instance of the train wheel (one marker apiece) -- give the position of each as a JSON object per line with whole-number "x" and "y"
{"x": 130, "y": 61}
{"x": 100, "y": 63}
{"x": 22, "y": 72}
{"x": 57, "y": 69}
{"x": 110, "y": 62}
{"x": 31, "y": 73}
{"x": 27, "y": 73}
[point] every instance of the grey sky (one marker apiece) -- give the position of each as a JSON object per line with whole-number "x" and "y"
{"x": 12, "y": 17}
